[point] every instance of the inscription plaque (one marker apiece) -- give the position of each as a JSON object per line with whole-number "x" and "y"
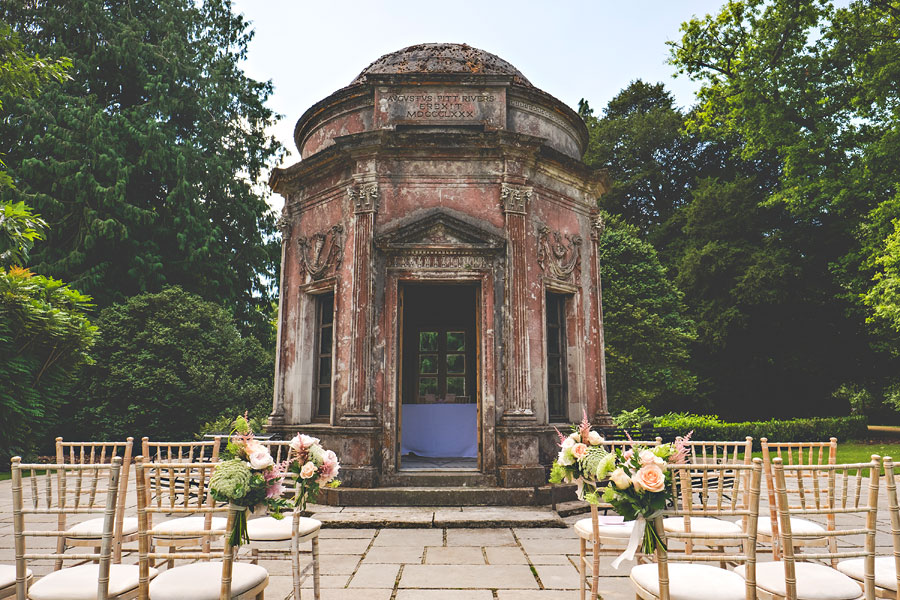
{"x": 420, "y": 105}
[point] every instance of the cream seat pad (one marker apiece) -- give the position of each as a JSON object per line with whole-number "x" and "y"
{"x": 764, "y": 526}
{"x": 814, "y": 581}
{"x": 885, "y": 571}
{"x": 8, "y": 575}
{"x": 702, "y": 525}
{"x": 94, "y": 527}
{"x": 80, "y": 583}
{"x": 270, "y": 529}
{"x": 585, "y": 529}
{"x": 203, "y": 581}
{"x": 175, "y": 528}
{"x": 692, "y": 582}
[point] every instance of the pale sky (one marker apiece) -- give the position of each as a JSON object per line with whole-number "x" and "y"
{"x": 570, "y": 49}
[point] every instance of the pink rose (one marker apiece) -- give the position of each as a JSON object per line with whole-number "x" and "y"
{"x": 275, "y": 491}
{"x": 628, "y": 454}
{"x": 308, "y": 470}
{"x": 649, "y": 477}
{"x": 260, "y": 459}
{"x": 579, "y": 450}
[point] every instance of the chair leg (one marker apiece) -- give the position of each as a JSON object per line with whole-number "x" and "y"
{"x": 60, "y": 549}
{"x": 315, "y": 557}
{"x": 595, "y": 568}
{"x": 582, "y": 553}
{"x": 295, "y": 567}
{"x": 254, "y": 556}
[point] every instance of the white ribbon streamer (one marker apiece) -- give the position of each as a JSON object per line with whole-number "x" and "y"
{"x": 637, "y": 535}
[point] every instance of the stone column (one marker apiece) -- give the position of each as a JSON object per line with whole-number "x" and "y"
{"x": 364, "y": 200}
{"x": 601, "y": 415}
{"x": 277, "y": 417}
{"x": 519, "y": 403}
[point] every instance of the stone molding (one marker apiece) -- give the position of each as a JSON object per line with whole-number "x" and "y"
{"x": 327, "y": 251}
{"x": 557, "y": 259}
{"x": 514, "y": 198}
{"x": 364, "y": 198}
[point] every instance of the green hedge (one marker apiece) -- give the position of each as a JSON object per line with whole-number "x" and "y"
{"x": 710, "y": 427}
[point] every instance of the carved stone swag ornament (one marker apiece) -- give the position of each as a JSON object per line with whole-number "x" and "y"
{"x": 556, "y": 258}
{"x": 322, "y": 251}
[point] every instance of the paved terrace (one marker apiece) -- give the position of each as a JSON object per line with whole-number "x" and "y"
{"x": 435, "y": 554}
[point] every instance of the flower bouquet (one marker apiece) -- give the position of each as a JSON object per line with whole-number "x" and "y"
{"x": 582, "y": 460}
{"x": 248, "y": 476}
{"x": 314, "y": 466}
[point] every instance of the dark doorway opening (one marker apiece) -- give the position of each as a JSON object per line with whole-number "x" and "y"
{"x": 439, "y": 378}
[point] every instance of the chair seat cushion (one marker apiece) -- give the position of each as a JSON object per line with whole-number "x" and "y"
{"x": 270, "y": 529}
{"x": 585, "y": 529}
{"x": 94, "y": 527}
{"x": 174, "y": 528}
{"x": 885, "y": 571}
{"x": 203, "y": 580}
{"x": 702, "y": 525}
{"x": 80, "y": 583}
{"x": 692, "y": 582}
{"x": 814, "y": 581}
{"x": 764, "y": 526}
{"x": 8, "y": 575}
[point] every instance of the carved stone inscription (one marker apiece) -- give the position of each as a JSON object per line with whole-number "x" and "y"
{"x": 435, "y": 260}
{"x": 421, "y": 105}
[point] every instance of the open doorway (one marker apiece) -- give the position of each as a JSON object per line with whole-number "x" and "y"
{"x": 439, "y": 379}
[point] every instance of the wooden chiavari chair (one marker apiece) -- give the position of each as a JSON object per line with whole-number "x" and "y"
{"x": 166, "y": 488}
{"x": 790, "y": 579}
{"x": 796, "y": 453}
{"x": 677, "y": 576}
{"x": 224, "y": 579}
{"x": 88, "y": 489}
{"x": 605, "y": 539}
{"x": 125, "y": 529}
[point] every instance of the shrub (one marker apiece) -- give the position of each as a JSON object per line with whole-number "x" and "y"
{"x": 44, "y": 337}
{"x": 166, "y": 363}
{"x": 638, "y": 418}
{"x": 711, "y": 427}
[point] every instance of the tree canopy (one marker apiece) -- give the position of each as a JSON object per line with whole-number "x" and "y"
{"x": 146, "y": 163}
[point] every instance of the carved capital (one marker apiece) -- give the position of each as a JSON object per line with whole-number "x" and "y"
{"x": 284, "y": 225}
{"x": 598, "y": 226}
{"x": 514, "y": 198}
{"x": 322, "y": 251}
{"x": 558, "y": 259}
{"x": 364, "y": 197}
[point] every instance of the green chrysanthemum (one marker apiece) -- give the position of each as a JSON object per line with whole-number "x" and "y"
{"x": 593, "y": 461}
{"x": 230, "y": 480}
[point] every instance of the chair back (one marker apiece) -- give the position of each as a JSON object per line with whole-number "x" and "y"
{"x": 717, "y": 503}
{"x": 81, "y": 489}
{"x": 191, "y": 501}
{"x": 894, "y": 509}
{"x": 799, "y": 453}
{"x": 82, "y": 453}
{"x": 845, "y": 484}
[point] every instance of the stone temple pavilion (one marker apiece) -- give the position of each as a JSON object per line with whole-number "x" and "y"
{"x": 440, "y": 283}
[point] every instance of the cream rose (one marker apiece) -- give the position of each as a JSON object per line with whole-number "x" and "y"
{"x": 649, "y": 458}
{"x": 260, "y": 459}
{"x": 620, "y": 479}
{"x": 568, "y": 442}
{"x": 594, "y": 438}
{"x": 308, "y": 470}
{"x": 579, "y": 450}
{"x": 649, "y": 477}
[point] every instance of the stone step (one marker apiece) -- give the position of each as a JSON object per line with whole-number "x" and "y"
{"x": 574, "y": 507}
{"x": 439, "y": 479}
{"x": 434, "y": 496}
{"x": 408, "y": 517}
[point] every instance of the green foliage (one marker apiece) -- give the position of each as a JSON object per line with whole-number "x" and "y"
{"x": 634, "y": 419}
{"x": 19, "y": 230}
{"x": 711, "y": 427}
{"x": 148, "y": 163}
{"x": 647, "y": 333}
{"x": 44, "y": 336}
{"x": 167, "y": 363}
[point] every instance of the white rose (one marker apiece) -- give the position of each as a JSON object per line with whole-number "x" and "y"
{"x": 565, "y": 458}
{"x": 649, "y": 458}
{"x": 307, "y": 440}
{"x": 260, "y": 459}
{"x": 620, "y": 479}
{"x": 594, "y": 438}
{"x": 568, "y": 442}
{"x": 296, "y": 443}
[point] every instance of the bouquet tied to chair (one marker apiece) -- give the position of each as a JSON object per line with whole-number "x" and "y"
{"x": 638, "y": 481}
{"x": 249, "y": 477}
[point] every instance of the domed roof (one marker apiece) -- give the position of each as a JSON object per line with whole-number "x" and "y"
{"x": 442, "y": 58}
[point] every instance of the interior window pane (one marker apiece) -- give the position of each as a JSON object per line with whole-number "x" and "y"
{"x": 327, "y": 308}
{"x": 552, "y": 340}
{"x": 428, "y": 385}
{"x": 428, "y": 341}
{"x": 555, "y": 402}
{"x": 553, "y": 375}
{"x": 325, "y": 341}
{"x": 456, "y": 386}
{"x": 456, "y": 341}
{"x": 428, "y": 363}
{"x": 325, "y": 370}
{"x": 324, "y": 402}
{"x": 456, "y": 363}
